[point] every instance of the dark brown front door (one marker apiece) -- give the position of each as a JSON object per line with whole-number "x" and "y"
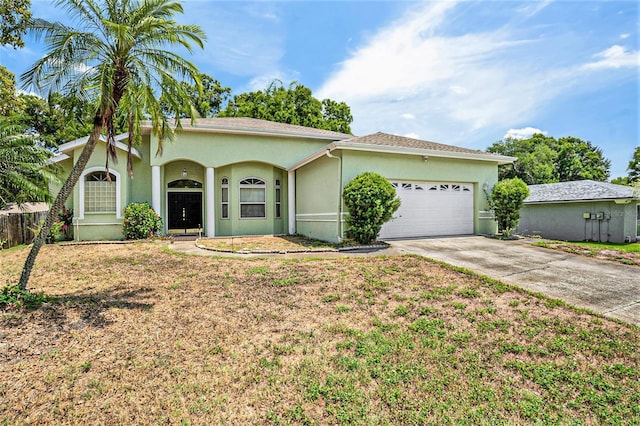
{"x": 185, "y": 210}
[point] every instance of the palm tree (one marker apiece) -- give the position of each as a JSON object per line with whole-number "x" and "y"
{"x": 24, "y": 176}
{"x": 118, "y": 57}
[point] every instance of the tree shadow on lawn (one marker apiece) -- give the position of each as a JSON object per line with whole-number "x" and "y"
{"x": 73, "y": 311}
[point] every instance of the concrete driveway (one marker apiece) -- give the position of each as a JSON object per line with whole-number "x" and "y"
{"x": 604, "y": 287}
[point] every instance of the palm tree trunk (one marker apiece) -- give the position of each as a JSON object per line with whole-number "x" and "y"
{"x": 61, "y": 198}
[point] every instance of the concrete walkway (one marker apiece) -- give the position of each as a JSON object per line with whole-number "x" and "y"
{"x": 604, "y": 287}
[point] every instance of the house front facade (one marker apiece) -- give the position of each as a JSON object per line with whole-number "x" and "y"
{"x": 243, "y": 176}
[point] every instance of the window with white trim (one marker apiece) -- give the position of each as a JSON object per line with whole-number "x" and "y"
{"x": 278, "y": 201}
{"x": 100, "y": 192}
{"x": 253, "y": 198}
{"x": 224, "y": 191}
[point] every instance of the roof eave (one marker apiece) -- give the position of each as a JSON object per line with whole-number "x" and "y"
{"x": 70, "y": 146}
{"x": 61, "y": 156}
{"x": 620, "y": 200}
{"x": 312, "y": 157}
{"x": 251, "y": 131}
{"x": 499, "y": 159}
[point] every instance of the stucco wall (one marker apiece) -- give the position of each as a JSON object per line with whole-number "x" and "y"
{"x": 565, "y": 221}
{"x": 234, "y": 225}
{"x": 140, "y": 184}
{"x": 318, "y": 190}
{"x": 216, "y": 150}
{"x": 102, "y": 226}
{"x": 415, "y": 168}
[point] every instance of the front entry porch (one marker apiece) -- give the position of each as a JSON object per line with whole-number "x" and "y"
{"x": 184, "y": 213}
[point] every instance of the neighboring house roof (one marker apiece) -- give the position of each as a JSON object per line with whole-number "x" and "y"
{"x": 246, "y": 125}
{"x": 13, "y": 208}
{"x": 394, "y": 144}
{"x": 68, "y": 147}
{"x": 581, "y": 190}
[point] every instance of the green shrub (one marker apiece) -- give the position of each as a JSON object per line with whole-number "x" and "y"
{"x": 140, "y": 221}
{"x": 506, "y": 200}
{"x": 14, "y": 297}
{"x": 371, "y": 200}
{"x": 61, "y": 229}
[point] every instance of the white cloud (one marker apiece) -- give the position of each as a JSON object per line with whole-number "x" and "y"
{"x": 523, "y": 133}
{"x": 615, "y": 57}
{"x": 408, "y": 116}
{"x": 244, "y": 39}
{"x": 467, "y": 82}
{"x": 532, "y": 8}
{"x": 262, "y": 81}
{"x": 463, "y": 84}
{"x": 625, "y": 35}
{"x": 412, "y": 135}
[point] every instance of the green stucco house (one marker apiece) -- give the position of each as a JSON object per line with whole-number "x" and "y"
{"x": 243, "y": 176}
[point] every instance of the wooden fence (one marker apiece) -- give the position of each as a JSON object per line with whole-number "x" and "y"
{"x": 17, "y": 228}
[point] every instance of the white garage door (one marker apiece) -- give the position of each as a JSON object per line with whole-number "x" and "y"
{"x": 430, "y": 209}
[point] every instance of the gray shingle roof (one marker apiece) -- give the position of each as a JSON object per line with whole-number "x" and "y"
{"x": 385, "y": 139}
{"x": 581, "y": 190}
{"x": 261, "y": 126}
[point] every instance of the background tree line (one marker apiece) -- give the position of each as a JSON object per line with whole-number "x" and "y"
{"x": 545, "y": 159}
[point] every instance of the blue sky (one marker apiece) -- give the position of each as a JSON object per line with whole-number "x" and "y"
{"x": 464, "y": 73}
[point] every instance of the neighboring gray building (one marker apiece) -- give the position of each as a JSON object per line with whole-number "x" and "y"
{"x": 583, "y": 210}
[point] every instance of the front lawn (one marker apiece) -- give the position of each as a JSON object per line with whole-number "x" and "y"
{"x": 628, "y": 254}
{"x": 285, "y": 243}
{"x": 142, "y": 335}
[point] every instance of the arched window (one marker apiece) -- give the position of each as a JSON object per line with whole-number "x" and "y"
{"x": 253, "y": 198}
{"x": 184, "y": 184}
{"x": 97, "y": 194}
{"x": 224, "y": 191}
{"x": 100, "y": 192}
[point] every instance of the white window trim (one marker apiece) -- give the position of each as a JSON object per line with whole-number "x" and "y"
{"x": 277, "y": 205}
{"x": 118, "y": 184}
{"x": 222, "y": 203}
{"x": 240, "y": 202}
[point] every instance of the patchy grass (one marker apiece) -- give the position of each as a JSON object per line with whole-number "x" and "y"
{"x": 628, "y": 254}
{"x": 285, "y": 243}
{"x": 138, "y": 334}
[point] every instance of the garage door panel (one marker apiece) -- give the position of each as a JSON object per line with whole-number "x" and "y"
{"x": 431, "y": 209}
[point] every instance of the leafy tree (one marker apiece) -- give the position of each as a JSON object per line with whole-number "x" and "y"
{"x": 578, "y": 160}
{"x": 120, "y": 56}
{"x": 371, "y": 200}
{"x": 207, "y": 102}
{"x": 634, "y": 166}
{"x": 57, "y": 119}
{"x": 24, "y": 176}
{"x": 8, "y": 94}
{"x": 292, "y": 105}
{"x": 623, "y": 180}
{"x": 14, "y": 18}
{"x": 543, "y": 159}
{"x": 336, "y": 116}
{"x": 506, "y": 199}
